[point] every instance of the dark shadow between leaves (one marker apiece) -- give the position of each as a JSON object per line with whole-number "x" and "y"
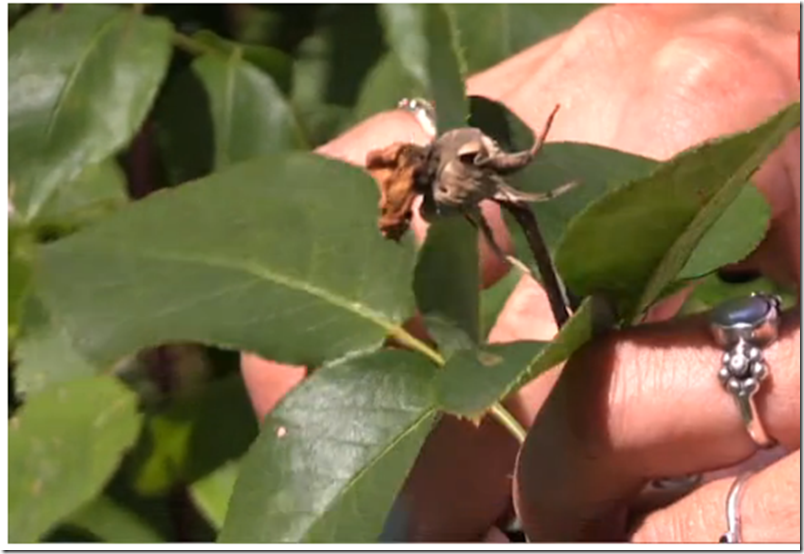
{"x": 184, "y": 129}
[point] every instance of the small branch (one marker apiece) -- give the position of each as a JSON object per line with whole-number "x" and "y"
{"x": 192, "y": 46}
{"x": 508, "y": 421}
{"x": 552, "y": 285}
{"x": 406, "y": 339}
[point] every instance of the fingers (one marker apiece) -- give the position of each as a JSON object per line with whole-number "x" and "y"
{"x": 769, "y": 506}
{"x": 641, "y": 404}
{"x": 376, "y": 132}
{"x": 267, "y": 382}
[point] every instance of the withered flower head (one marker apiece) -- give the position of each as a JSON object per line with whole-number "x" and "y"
{"x": 396, "y": 168}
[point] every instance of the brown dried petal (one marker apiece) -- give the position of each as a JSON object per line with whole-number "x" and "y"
{"x": 394, "y": 167}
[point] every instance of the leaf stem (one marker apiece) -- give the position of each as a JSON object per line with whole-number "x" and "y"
{"x": 409, "y": 340}
{"x": 508, "y": 421}
{"x": 497, "y": 410}
{"x": 191, "y": 45}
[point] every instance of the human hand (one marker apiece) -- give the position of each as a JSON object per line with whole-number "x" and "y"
{"x": 653, "y": 81}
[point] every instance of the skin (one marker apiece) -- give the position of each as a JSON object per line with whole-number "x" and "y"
{"x": 642, "y": 403}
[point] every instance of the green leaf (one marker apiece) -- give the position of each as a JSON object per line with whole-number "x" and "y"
{"x": 663, "y": 217}
{"x": 81, "y": 81}
{"x": 425, "y": 39}
{"x": 272, "y": 61}
{"x": 491, "y": 33}
{"x": 223, "y": 110}
{"x": 473, "y": 380}
{"x": 330, "y": 66}
{"x": 98, "y": 190}
{"x": 20, "y": 254}
{"x": 494, "y": 298}
{"x": 212, "y": 492}
{"x": 733, "y": 235}
{"x": 446, "y": 284}
{"x": 108, "y": 521}
{"x": 194, "y": 436}
{"x": 334, "y": 453}
{"x": 386, "y": 84}
{"x": 63, "y": 445}
{"x": 45, "y": 355}
{"x": 279, "y": 255}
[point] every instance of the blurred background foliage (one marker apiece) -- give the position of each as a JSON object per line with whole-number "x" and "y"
{"x": 332, "y": 62}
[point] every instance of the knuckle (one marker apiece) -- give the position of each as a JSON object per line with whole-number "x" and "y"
{"x": 721, "y": 61}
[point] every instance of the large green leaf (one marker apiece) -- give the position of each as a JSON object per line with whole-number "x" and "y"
{"x": 223, "y": 110}
{"x": 663, "y": 217}
{"x": 425, "y": 39}
{"x": 334, "y": 453}
{"x": 473, "y": 380}
{"x": 194, "y": 436}
{"x": 733, "y": 235}
{"x": 63, "y": 445}
{"x": 446, "y": 283}
{"x": 81, "y": 80}
{"x": 279, "y": 255}
{"x": 491, "y": 33}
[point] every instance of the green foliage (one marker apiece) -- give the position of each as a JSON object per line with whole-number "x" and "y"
{"x": 446, "y": 282}
{"x": 63, "y": 446}
{"x": 19, "y": 277}
{"x": 109, "y": 521}
{"x": 223, "y": 110}
{"x": 45, "y": 354}
{"x": 192, "y": 437}
{"x": 214, "y": 262}
{"x": 332, "y": 456}
{"x": 425, "y": 39}
{"x": 81, "y": 80}
{"x": 664, "y": 216}
{"x": 263, "y": 246}
{"x": 472, "y": 382}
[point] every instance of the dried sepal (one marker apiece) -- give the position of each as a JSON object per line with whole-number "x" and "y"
{"x": 395, "y": 169}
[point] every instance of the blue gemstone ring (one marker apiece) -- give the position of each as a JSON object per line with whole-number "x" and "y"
{"x": 743, "y": 327}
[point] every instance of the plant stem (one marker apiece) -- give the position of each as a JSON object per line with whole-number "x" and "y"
{"x": 508, "y": 421}
{"x": 409, "y": 340}
{"x": 191, "y": 46}
{"x": 552, "y": 285}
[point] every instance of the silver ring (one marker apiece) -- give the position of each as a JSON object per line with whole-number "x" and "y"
{"x": 423, "y": 111}
{"x": 734, "y": 531}
{"x": 743, "y": 327}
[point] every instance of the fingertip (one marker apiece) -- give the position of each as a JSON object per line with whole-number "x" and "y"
{"x": 377, "y": 131}
{"x": 268, "y": 382}
{"x": 526, "y": 315}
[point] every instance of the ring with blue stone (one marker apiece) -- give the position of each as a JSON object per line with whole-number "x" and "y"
{"x": 743, "y": 327}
